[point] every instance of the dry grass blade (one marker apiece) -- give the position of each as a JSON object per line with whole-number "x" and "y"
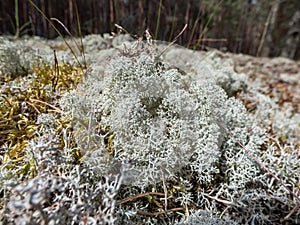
{"x": 121, "y": 28}
{"x": 174, "y": 40}
{"x": 68, "y": 32}
{"x": 154, "y": 214}
{"x": 48, "y": 104}
{"x": 57, "y": 31}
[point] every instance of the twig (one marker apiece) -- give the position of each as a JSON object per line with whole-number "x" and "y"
{"x": 259, "y": 162}
{"x": 165, "y": 190}
{"x": 34, "y": 107}
{"x": 296, "y": 207}
{"x": 262, "y": 166}
{"x": 48, "y": 104}
{"x": 160, "y": 212}
{"x": 56, "y": 70}
{"x": 219, "y": 200}
{"x": 135, "y": 197}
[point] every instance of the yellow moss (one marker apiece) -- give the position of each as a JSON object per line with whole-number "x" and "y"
{"x": 109, "y": 146}
{"x": 20, "y": 107}
{"x": 61, "y": 77}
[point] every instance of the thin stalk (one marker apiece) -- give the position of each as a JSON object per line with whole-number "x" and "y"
{"x": 206, "y": 25}
{"x": 80, "y": 35}
{"x": 173, "y": 23}
{"x": 17, "y": 19}
{"x": 57, "y": 31}
{"x": 263, "y": 37}
{"x": 158, "y": 20}
{"x": 174, "y": 40}
{"x": 261, "y": 165}
{"x": 193, "y": 31}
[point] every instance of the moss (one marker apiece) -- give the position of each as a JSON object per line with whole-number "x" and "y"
{"x": 23, "y": 99}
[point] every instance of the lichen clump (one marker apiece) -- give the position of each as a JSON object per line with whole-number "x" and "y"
{"x": 140, "y": 143}
{"x": 166, "y": 127}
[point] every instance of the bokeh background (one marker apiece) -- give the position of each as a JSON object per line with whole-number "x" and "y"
{"x": 257, "y": 27}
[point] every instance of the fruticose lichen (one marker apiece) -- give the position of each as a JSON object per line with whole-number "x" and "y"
{"x": 137, "y": 142}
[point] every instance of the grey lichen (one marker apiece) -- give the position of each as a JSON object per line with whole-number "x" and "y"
{"x": 14, "y": 60}
{"x": 151, "y": 148}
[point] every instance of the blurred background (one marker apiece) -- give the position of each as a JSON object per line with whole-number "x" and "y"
{"x": 256, "y": 27}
